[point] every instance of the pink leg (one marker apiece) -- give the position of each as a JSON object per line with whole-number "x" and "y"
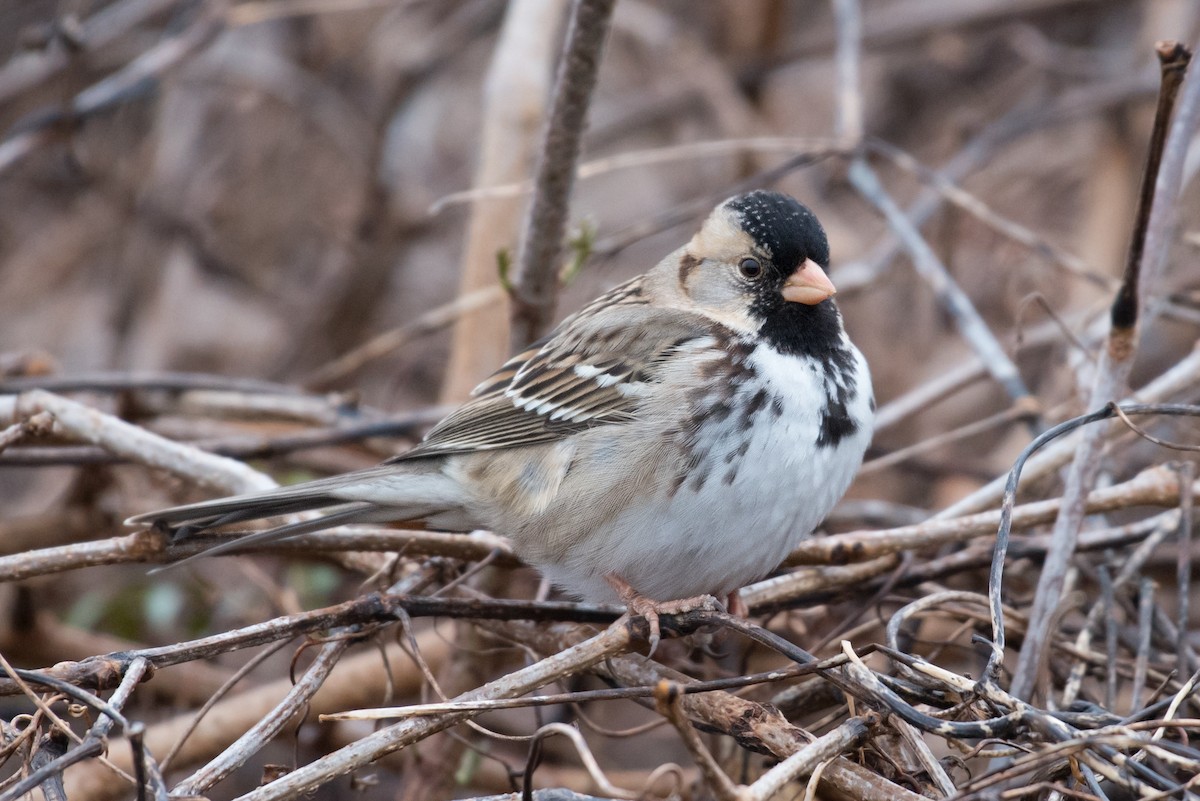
{"x": 648, "y": 608}
{"x": 736, "y": 606}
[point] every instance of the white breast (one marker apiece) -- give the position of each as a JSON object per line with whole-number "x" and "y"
{"x": 754, "y": 494}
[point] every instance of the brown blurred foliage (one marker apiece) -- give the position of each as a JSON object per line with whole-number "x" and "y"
{"x": 270, "y": 200}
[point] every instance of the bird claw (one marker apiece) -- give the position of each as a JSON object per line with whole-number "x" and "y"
{"x": 639, "y": 605}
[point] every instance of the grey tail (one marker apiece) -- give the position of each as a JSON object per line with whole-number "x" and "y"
{"x": 184, "y": 521}
{"x": 345, "y": 513}
{"x": 181, "y": 522}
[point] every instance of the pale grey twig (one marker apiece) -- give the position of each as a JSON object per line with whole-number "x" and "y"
{"x": 943, "y": 384}
{"x": 390, "y": 341}
{"x": 99, "y": 30}
{"x": 221, "y": 692}
{"x": 805, "y": 761}
{"x": 40, "y": 422}
{"x": 93, "y": 743}
{"x": 667, "y": 696}
{"x": 981, "y": 211}
{"x": 133, "y": 380}
{"x": 1183, "y": 567}
{"x": 847, "y": 16}
{"x": 1145, "y": 626}
{"x": 741, "y": 147}
{"x": 1018, "y": 411}
{"x": 1131, "y": 565}
{"x": 261, "y": 733}
{"x": 1020, "y": 120}
{"x": 1109, "y": 605}
{"x": 1180, "y": 381}
{"x": 603, "y": 783}
{"x": 81, "y": 422}
{"x": 972, "y": 327}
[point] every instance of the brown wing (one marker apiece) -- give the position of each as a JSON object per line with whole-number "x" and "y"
{"x": 593, "y": 370}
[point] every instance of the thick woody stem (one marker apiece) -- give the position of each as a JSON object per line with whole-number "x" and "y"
{"x": 537, "y": 277}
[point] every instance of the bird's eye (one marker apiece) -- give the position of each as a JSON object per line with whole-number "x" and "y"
{"x": 750, "y": 267}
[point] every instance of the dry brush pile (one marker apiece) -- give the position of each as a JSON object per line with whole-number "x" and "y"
{"x": 313, "y": 195}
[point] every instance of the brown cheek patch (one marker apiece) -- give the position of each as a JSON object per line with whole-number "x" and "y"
{"x": 686, "y": 265}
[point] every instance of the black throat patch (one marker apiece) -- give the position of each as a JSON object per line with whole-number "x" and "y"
{"x": 791, "y": 234}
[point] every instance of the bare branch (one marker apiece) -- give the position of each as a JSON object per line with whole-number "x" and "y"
{"x": 546, "y": 221}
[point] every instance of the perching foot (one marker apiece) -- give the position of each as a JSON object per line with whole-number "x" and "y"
{"x": 639, "y": 605}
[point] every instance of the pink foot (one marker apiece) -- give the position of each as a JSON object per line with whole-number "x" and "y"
{"x": 650, "y": 609}
{"x": 736, "y": 606}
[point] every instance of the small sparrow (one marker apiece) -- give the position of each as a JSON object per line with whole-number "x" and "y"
{"x": 674, "y": 439}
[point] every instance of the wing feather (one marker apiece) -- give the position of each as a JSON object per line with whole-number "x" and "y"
{"x": 592, "y": 370}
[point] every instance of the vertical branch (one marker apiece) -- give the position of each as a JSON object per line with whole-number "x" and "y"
{"x": 1173, "y": 59}
{"x": 514, "y": 100}
{"x": 1141, "y": 662}
{"x": 1183, "y": 567}
{"x": 1164, "y": 165}
{"x": 546, "y": 221}
{"x": 848, "y": 18}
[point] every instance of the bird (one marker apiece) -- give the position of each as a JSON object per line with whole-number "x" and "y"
{"x": 666, "y": 445}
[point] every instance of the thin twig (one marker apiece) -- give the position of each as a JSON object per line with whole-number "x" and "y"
{"x": 1180, "y": 380}
{"x": 253, "y": 739}
{"x": 848, "y": 23}
{"x": 610, "y": 642}
{"x": 1142, "y": 659}
{"x": 388, "y": 342}
{"x": 151, "y": 65}
{"x": 996, "y": 575}
{"x": 134, "y": 443}
{"x": 970, "y": 325}
{"x": 1183, "y": 565}
{"x": 811, "y": 757}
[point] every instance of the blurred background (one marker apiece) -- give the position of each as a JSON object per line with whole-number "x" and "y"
{"x": 263, "y": 189}
{"x": 265, "y": 203}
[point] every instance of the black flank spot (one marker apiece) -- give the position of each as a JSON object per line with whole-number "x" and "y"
{"x": 839, "y": 364}
{"x": 730, "y": 476}
{"x": 776, "y": 406}
{"x": 756, "y": 403}
{"x": 719, "y": 411}
{"x": 836, "y": 424}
